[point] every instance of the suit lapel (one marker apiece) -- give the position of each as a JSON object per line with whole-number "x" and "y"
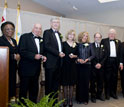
{"x": 33, "y": 42}
{"x": 108, "y": 45}
{"x": 54, "y": 37}
{"x": 116, "y": 44}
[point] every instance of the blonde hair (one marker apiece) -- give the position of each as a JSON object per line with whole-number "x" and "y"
{"x": 69, "y": 33}
{"x": 81, "y": 35}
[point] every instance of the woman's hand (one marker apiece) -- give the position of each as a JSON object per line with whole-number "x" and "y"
{"x": 86, "y": 60}
{"x": 80, "y": 61}
{"x": 72, "y": 55}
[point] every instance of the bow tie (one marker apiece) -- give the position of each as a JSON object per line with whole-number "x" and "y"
{"x": 112, "y": 40}
{"x": 55, "y": 31}
{"x": 36, "y": 37}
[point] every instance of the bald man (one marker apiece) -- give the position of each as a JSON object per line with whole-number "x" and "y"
{"x": 31, "y": 52}
{"x": 112, "y": 63}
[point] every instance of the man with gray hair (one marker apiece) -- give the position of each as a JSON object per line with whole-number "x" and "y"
{"x": 112, "y": 63}
{"x": 31, "y": 52}
{"x": 53, "y": 52}
{"x": 97, "y": 71}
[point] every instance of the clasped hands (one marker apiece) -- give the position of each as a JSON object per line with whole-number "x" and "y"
{"x": 39, "y": 56}
{"x": 82, "y": 61}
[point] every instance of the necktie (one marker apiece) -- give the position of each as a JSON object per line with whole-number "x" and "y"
{"x": 97, "y": 45}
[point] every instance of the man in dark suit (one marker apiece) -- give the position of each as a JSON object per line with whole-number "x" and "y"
{"x": 53, "y": 52}
{"x": 112, "y": 48}
{"x": 97, "y": 74}
{"x": 31, "y": 52}
{"x": 122, "y": 70}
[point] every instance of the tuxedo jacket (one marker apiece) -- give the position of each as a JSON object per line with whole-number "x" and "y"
{"x": 12, "y": 50}
{"x": 100, "y": 55}
{"x": 122, "y": 52}
{"x": 51, "y": 49}
{"x": 106, "y": 43}
{"x": 28, "y": 65}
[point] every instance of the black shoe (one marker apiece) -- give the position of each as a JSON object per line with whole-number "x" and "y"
{"x": 79, "y": 102}
{"x": 85, "y": 103}
{"x": 93, "y": 100}
{"x": 107, "y": 97}
{"x": 114, "y": 96}
{"x": 101, "y": 98}
{"x": 123, "y": 95}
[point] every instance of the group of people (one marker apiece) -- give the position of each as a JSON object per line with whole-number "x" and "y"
{"x": 91, "y": 67}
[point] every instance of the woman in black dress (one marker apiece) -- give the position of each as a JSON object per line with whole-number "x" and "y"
{"x": 85, "y": 55}
{"x": 6, "y": 39}
{"x": 69, "y": 67}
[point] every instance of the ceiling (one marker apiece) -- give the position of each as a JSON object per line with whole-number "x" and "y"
{"x": 86, "y": 8}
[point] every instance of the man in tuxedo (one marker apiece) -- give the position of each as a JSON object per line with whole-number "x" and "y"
{"x": 31, "y": 52}
{"x": 112, "y": 63}
{"x": 53, "y": 52}
{"x": 122, "y": 70}
{"x": 97, "y": 74}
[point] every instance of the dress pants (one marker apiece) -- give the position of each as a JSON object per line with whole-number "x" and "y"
{"x": 52, "y": 78}
{"x": 29, "y": 84}
{"x": 111, "y": 76}
{"x": 122, "y": 80}
{"x": 97, "y": 78}
{"x": 83, "y": 77}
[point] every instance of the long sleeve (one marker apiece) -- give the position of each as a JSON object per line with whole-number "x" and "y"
{"x": 47, "y": 44}
{"x": 23, "y": 49}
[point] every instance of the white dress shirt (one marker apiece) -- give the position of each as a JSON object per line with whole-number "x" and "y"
{"x": 97, "y": 44}
{"x": 37, "y": 43}
{"x": 112, "y": 49}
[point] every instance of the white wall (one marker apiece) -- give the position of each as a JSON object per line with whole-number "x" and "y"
{"x": 29, "y": 19}
{"x": 115, "y": 17}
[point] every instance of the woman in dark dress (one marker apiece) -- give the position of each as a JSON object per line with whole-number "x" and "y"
{"x": 6, "y": 39}
{"x": 85, "y": 55}
{"x": 69, "y": 67}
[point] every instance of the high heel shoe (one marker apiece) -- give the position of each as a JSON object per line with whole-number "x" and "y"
{"x": 70, "y": 105}
{"x": 64, "y": 105}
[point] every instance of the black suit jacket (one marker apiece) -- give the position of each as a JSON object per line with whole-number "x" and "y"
{"x": 51, "y": 49}
{"x": 28, "y": 65}
{"x": 106, "y": 44}
{"x": 100, "y": 55}
{"x": 12, "y": 51}
{"x": 122, "y": 53}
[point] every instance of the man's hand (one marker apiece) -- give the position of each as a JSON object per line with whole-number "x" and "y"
{"x": 61, "y": 54}
{"x": 38, "y": 56}
{"x": 44, "y": 58}
{"x": 17, "y": 57}
{"x": 121, "y": 67}
{"x": 98, "y": 66}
